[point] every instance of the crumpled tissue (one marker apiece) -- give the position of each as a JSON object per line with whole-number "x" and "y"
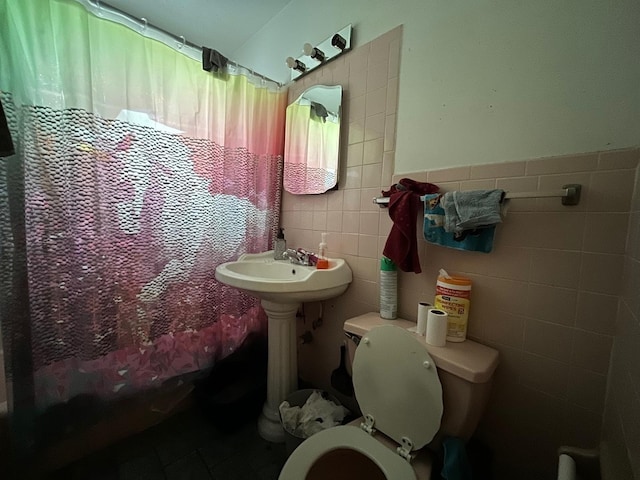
{"x": 318, "y": 413}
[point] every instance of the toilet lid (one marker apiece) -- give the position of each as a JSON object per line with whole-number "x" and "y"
{"x": 396, "y": 382}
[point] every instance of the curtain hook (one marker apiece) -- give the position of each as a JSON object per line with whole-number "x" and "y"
{"x": 146, "y": 24}
{"x": 181, "y": 45}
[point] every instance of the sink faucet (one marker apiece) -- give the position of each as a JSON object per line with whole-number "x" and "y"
{"x": 299, "y": 257}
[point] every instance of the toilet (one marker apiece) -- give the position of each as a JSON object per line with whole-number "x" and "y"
{"x": 411, "y": 395}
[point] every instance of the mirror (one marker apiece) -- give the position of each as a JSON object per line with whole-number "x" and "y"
{"x": 312, "y": 141}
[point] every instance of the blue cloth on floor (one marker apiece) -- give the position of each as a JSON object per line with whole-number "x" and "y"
{"x": 471, "y": 210}
{"x": 477, "y": 240}
{"x": 456, "y": 465}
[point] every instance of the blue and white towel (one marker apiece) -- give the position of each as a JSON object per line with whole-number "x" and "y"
{"x": 476, "y": 240}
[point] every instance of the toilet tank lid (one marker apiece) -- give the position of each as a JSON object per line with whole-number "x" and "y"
{"x": 468, "y": 360}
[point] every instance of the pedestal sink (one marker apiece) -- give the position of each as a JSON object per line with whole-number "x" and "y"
{"x": 281, "y": 287}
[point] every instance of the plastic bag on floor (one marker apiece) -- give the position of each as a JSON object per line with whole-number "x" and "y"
{"x": 318, "y": 413}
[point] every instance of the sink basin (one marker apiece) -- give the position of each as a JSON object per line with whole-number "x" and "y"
{"x": 283, "y": 282}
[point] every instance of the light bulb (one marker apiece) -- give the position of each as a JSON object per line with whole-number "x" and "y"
{"x": 296, "y": 64}
{"x": 313, "y": 52}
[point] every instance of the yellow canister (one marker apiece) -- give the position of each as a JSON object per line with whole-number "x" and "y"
{"x": 453, "y": 295}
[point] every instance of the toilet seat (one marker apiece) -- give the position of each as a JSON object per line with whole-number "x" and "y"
{"x": 396, "y": 384}
{"x": 392, "y": 465}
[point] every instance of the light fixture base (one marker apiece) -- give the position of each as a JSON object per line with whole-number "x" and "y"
{"x": 332, "y": 47}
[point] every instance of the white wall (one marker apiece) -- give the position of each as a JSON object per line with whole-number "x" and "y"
{"x": 487, "y": 81}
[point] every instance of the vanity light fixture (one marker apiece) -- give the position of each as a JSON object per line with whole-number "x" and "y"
{"x": 313, "y": 52}
{"x": 296, "y": 65}
{"x": 325, "y": 51}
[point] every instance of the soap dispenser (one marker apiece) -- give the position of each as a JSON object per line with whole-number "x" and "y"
{"x": 323, "y": 262}
{"x": 280, "y": 245}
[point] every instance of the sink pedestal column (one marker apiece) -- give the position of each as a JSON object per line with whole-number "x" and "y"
{"x": 282, "y": 368}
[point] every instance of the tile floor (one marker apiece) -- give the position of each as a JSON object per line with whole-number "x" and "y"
{"x": 187, "y": 446}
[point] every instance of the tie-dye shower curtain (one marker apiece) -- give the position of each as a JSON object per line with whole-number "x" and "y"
{"x": 136, "y": 173}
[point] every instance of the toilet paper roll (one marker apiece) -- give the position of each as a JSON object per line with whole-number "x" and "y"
{"x": 436, "y": 327}
{"x": 423, "y": 311}
{"x": 566, "y": 468}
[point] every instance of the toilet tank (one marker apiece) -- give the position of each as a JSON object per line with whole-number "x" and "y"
{"x": 465, "y": 370}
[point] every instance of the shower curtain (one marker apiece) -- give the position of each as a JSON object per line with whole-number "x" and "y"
{"x": 135, "y": 174}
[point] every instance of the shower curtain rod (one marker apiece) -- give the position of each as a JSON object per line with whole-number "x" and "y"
{"x": 143, "y": 27}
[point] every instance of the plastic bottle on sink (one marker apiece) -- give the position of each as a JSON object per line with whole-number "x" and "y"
{"x": 322, "y": 263}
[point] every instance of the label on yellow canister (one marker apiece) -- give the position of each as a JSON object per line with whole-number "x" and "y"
{"x": 453, "y": 295}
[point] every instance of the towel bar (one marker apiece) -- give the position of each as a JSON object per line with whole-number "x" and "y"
{"x": 570, "y": 195}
